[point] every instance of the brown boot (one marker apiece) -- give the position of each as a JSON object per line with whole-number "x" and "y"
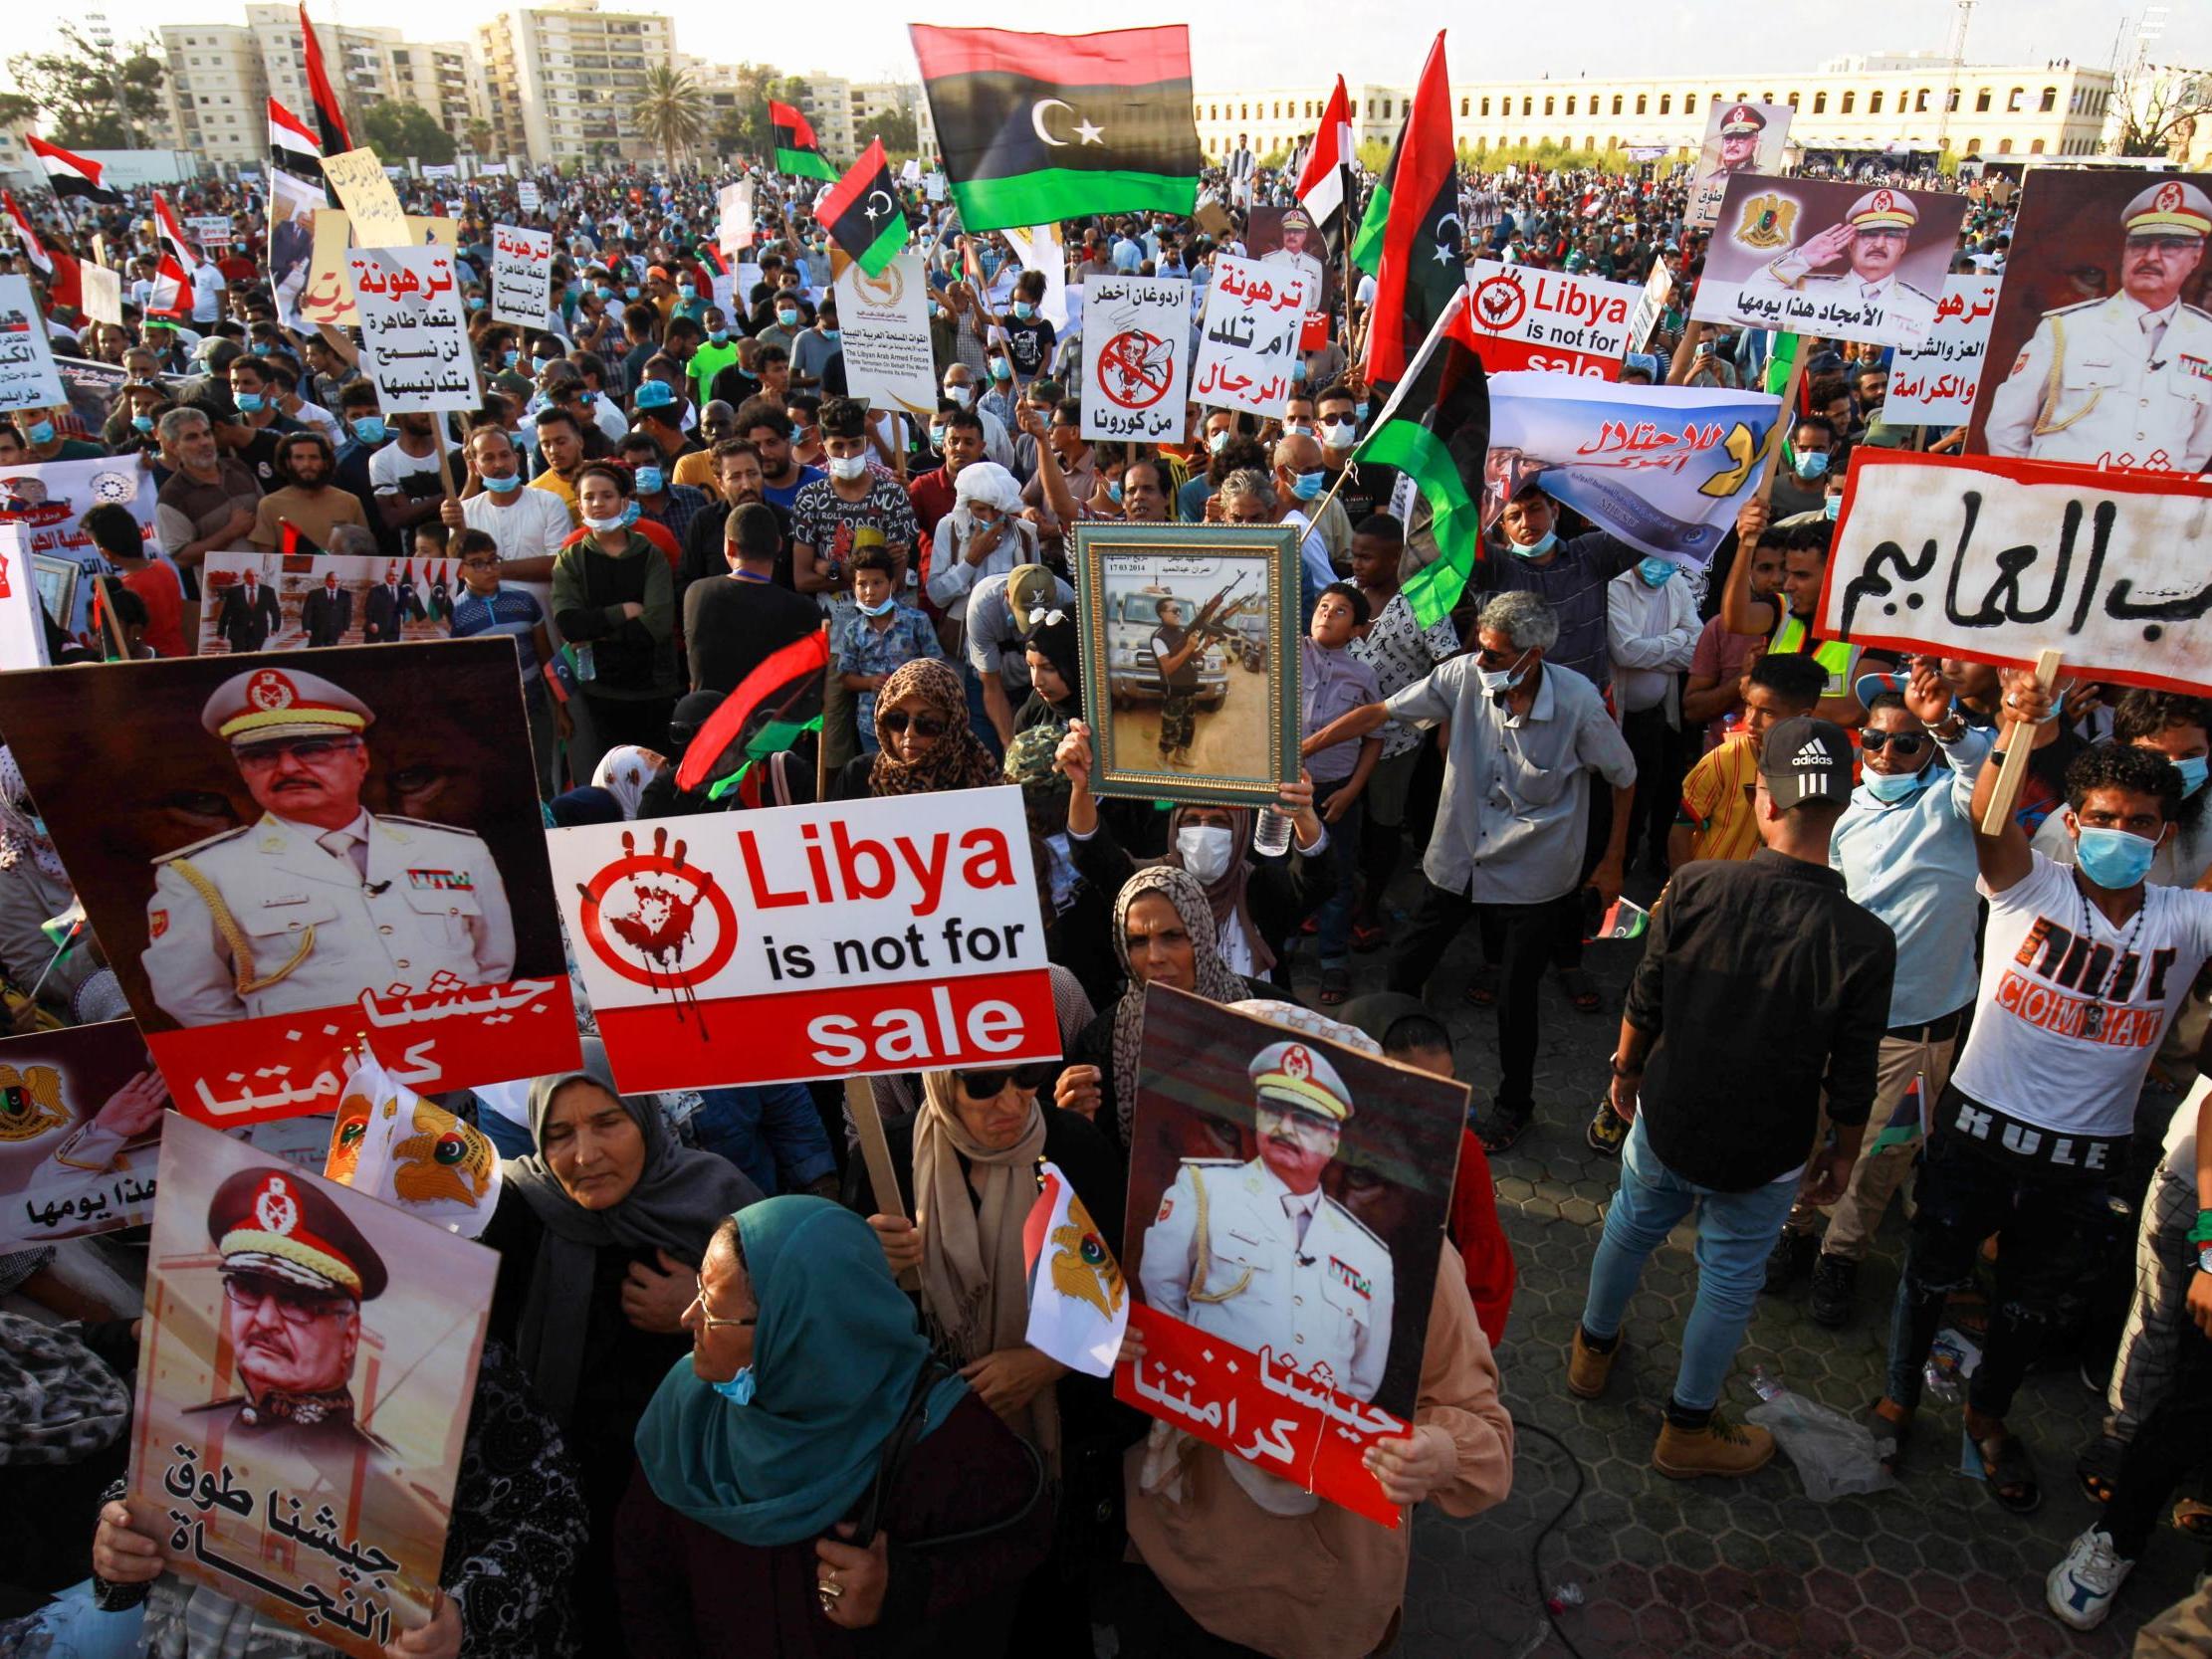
{"x": 1587, "y": 1368}
{"x": 1722, "y": 1447}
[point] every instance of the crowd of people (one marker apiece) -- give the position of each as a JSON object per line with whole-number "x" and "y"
{"x": 712, "y": 1416}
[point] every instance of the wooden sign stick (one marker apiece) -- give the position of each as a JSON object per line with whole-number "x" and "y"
{"x": 860, "y": 1106}
{"x": 2017, "y": 749}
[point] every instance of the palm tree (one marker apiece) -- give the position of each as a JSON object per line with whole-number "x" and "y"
{"x": 479, "y": 134}
{"x": 671, "y": 113}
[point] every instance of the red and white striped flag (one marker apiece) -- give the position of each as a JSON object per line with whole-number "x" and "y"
{"x": 1323, "y": 186}
{"x": 71, "y": 174}
{"x": 172, "y": 234}
{"x": 1078, "y": 1302}
{"x": 25, "y": 238}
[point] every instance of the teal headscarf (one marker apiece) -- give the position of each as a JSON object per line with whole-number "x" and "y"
{"x": 836, "y": 1355}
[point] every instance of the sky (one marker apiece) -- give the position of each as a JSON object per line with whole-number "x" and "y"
{"x": 1306, "y": 42}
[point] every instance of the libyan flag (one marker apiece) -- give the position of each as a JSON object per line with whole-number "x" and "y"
{"x": 1035, "y": 129}
{"x": 1435, "y": 429}
{"x": 797, "y": 151}
{"x": 771, "y": 707}
{"x": 863, "y": 214}
{"x": 1411, "y": 236}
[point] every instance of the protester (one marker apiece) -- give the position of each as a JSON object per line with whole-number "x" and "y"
{"x": 615, "y": 599}
{"x": 923, "y": 739}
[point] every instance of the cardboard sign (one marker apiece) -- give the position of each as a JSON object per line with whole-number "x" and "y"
{"x": 1251, "y": 337}
{"x": 367, "y": 194}
{"x": 310, "y": 601}
{"x": 22, "y": 634}
{"x": 1830, "y": 258}
{"x": 1759, "y": 137}
{"x": 1651, "y": 305}
{"x": 1998, "y": 560}
{"x": 735, "y": 233}
{"x": 103, "y": 293}
{"x": 46, "y": 503}
{"x": 210, "y": 230}
{"x": 250, "y": 951}
{"x": 521, "y": 276}
{"x": 328, "y": 293}
{"x": 525, "y": 192}
{"x": 1136, "y": 358}
{"x": 414, "y": 330}
{"x": 810, "y": 942}
{"x": 885, "y": 323}
{"x": 293, "y": 205}
{"x": 335, "y": 1524}
{"x": 27, "y": 376}
{"x": 1547, "y": 319}
{"x": 1934, "y": 384}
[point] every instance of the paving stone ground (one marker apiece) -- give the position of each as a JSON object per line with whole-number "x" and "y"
{"x": 1713, "y": 1569}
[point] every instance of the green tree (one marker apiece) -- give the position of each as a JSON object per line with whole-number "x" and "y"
{"x": 743, "y": 129}
{"x": 97, "y": 97}
{"x": 671, "y": 113}
{"x": 396, "y": 130}
{"x": 897, "y": 130}
{"x": 478, "y": 135}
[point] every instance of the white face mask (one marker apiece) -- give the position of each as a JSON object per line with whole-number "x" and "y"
{"x": 848, "y": 467}
{"x": 1204, "y": 850}
{"x": 605, "y": 527}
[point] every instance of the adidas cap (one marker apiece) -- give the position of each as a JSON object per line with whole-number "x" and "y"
{"x": 1806, "y": 759}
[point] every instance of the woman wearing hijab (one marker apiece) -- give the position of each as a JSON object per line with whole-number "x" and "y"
{"x": 600, "y": 1234}
{"x": 625, "y": 771}
{"x": 1055, "y": 655}
{"x": 810, "y": 1482}
{"x": 33, "y": 888}
{"x": 615, "y": 599}
{"x": 924, "y": 743}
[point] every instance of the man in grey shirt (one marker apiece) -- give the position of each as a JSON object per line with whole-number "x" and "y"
{"x": 1507, "y": 847}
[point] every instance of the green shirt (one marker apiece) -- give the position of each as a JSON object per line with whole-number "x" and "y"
{"x": 706, "y": 363}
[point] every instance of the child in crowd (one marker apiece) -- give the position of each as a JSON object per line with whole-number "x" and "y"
{"x": 484, "y": 606}
{"x": 879, "y": 635}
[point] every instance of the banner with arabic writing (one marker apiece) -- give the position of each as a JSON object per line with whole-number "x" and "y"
{"x": 521, "y": 276}
{"x": 1828, "y": 256}
{"x": 1254, "y": 310}
{"x": 1933, "y": 383}
{"x": 1997, "y": 560}
{"x": 1287, "y": 1197}
{"x": 291, "y": 852}
{"x": 1136, "y": 358}
{"x": 414, "y": 330}
{"x": 27, "y": 377}
{"x": 304, "y": 1375}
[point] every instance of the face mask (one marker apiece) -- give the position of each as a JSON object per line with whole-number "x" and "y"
{"x": 1113, "y": 494}
{"x": 632, "y": 515}
{"x": 2193, "y": 772}
{"x": 510, "y": 359}
{"x": 1205, "y": 851}
{"x": 834, "y": 335}
{"x": 262, "y": 348}
{"x": 1023, "y": 309}
{"x": 603, "y": 292}
{"x": 1298, "y": 370}
{"x": 720, "y": 336}
{"x": 687, "y": 291}
{"x": 476, "y": 302}
{"x": 1498, "y": 680}
{"x": 1297, "y": 429}
{"x": 540, "y": 365}
{"x": 250, "y": 402}
{"x": 847, "y": 468}
{"x": 630, "y": 290}
{"x": 2115, "y": 859}
{"x": 1832, "y": 507}
{"x": 1655, "y": 571}
{"x": 1535, "y": 549}
{"x": 605, "y": 527}
{"x": 370, "y": 429}
{"x": 739, "y": 1391}
{"x": 1000, "y": 369}
{"x": 1308, "y": 486}
{"x": 1218, "y": 442}
{"x": 1338, "y": 434}
{"x": 144, "y": 423}
{"x": 959, "y": 395}
{"x": 1812, "y": 464}
{"x": 788, "y": 318}
{"x": 876, "y": 610}
{"x": 1359, "y": 411}
{"x": 649, "y": 480}
{"x": 1892, "y": 786}
{"x": 503, "y": 485}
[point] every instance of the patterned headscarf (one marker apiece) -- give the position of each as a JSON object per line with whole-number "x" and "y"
{"x": 1215, "y": 981}
{"x": 1226, "y": 894}
{"x": 956, "y": 760}
{"x": 20, "y": 834}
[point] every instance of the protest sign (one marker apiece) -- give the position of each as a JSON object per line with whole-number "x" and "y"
{"x": 103, "y": 293}
{"x": 1294, "y": 1354}
{"x": 22, "y": 634}
{"x": 810, "y": 942}
{"x": 209, "y": 229}
{"x": 90, "y": 389}
{"x": 933, "y": 186}
{"x": 332, "y": 1523}
{"x": 1251, "y": 337}
{"x": 1933, "y": 383}
{"x": 250, "y": 954}
{"x": 735, "y": 232}
{"x": 293, "y": 205}
{"x": 1664, "y": 467}
{"x": 414, "y": 330}
{"x": 884, "y": 322}
{"x": 1284, "y": 237}
{"x": 525, "y": 192}
{"x": 366, "y": 192}
{"x": 521, "y": 276}
{"x": 2080, "y": 375}
{"x": 328, "y": 296}
{"x": 1135, "y": 346}
{"x": 1040, "y": 249}
{"x": 45, "y": 504}
{"x": 1651, "y": 305}
{"x": 1547, "y": 319}
{"x": 1997, "y": 559}
{"x": 81, "y": 1112}
{"x": 310, "y": 600}
{"x": 1739, "y": 138}
{"x": 27, "y": 377}
{"x": 1827, "y": 257}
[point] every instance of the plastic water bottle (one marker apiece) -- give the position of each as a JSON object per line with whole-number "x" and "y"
{"x": 1271, "y": 833}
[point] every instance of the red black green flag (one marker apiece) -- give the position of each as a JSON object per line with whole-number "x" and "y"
{"x": 1411, "y": 236}
{"x": 1035, "y": 129}
{"x": 797, "y": 150}
{"x": 295, "y": 543}
{"x": 863, "y": 215}
{"x": 766, "y": 712}
{"x": 330, "y": 115}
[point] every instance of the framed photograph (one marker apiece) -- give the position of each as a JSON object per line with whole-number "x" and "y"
{"x": 1189, "y": 659}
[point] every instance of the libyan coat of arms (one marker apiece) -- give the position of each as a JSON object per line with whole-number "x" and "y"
{"x": 1767, "y": 222}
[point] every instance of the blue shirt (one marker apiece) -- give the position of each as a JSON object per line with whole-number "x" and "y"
{"x": 509, "y": 610}
{"x": 1911, "y": 864}
{"x": 863, "y": 649}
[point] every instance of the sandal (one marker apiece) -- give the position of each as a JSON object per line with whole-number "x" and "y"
{"x": 1890, "y": 1436}
{"x": 2098, "y": 1469}
{"x": 1482, "y": 988}
{"x": 1368, "y": 936}
{"x": 1336, "y": 986}
{"x": 1501, "y": 1130}
{"x": 2009, "y": 1472}
{"x": 1580, "y": 989}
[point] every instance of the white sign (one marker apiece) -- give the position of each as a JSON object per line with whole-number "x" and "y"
{"x": 1547, "y": 319}
{"x": 414, "y": 330}
{"x": 525, "y": 192}
{"x": 735, "y": 233}
{"x": 1254, "y": 312}
{"x": 885, "y": 322}
{"x": 210, "y": 230}
{"x": 434, "y": 169}
{"x": 933, "y": 186}
{"x": 810, "y": 942}
{"x": 1997, "y": 559}
{"x": 28, "y": 379}
{"x": 521, "y": 276}
{"x": 101, "y": 290}
{"x": 1041, "y": 250}
{"x": 1136, "y": 358}
{"x": 22, "y": 634}
{"x": 1651, "y": 304}
{"x": 1933, "y": 384}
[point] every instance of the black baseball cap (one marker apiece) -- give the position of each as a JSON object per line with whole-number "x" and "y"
{"x": 1806, "y": 759}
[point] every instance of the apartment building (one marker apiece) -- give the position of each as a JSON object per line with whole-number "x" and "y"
{"x": 561, "y": 80}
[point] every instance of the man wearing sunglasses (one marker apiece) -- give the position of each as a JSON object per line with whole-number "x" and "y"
{"x": 319, "y": 898}
{"x": 1256, "y": 1254}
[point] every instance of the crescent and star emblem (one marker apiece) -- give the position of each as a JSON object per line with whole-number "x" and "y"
{"x": 873, "y": 212}
{"x": 1083, "y": 130}
{"x": 1448, "y": 245}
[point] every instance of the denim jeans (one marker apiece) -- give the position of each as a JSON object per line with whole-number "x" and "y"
{"x": 1735, "y": 1234}
{"x": 1333, "y": 924}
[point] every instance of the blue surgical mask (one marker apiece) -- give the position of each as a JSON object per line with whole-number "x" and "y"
{"x": 40, "y": 432}
{"x": 602, "y": 291}
{"x": 249, "y": 402}
{"x": 1892, "y": 786}
{"x": 1024, "y": 311}
{"x": 510, "y": 359}
{"x": 2193, "y": 772}
{"x": 1113, "y": 494}
{"x": 369, "y": 429}
{"x": 1655, "y": 571}
{"x": 687, "y": 291}
{"x": 503, "y": 485}
{"x": 650, "y": 479}
{"x": 144, "y": 423}
{"x": 263, "y": 348}
{"x": 1832, "y": 507}
{"x": 1359, "y": 410}
{"x": 1000, "y": 369}
{"x": 630, "y": 290}
{"x": 788, "y": 318}
{"x": 720, "y": 336}
{"x": 875, "y": 610}
{"x": 1298, "y": 370}
{"x": 476, "y": 302}
{"x": 2113, "y": 858}
{"x": 1498, "y": 680}
{"x": 740, "y": 1389}
{"x": 1218, "y": 442}
{"x": 631, "y": 514}
{"x": 1309, "y": 484}
{"x": 1812, "y": 464}
{"x": 1535, "y": 549}
{"x": 834, "y": 335}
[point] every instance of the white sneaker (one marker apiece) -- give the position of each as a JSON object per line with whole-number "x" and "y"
{"x": 2081, "y": 1588}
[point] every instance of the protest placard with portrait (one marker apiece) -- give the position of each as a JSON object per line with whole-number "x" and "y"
{"x": 301, "y": 601}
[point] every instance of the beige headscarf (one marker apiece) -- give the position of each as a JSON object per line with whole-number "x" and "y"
{"x": 975, "y": 1283}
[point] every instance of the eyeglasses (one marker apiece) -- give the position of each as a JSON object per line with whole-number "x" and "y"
{"x": 2162, "y": 243}
{"x": 1906, "y": 744}
{"x": 481, "y": 561}
{"x": 1495, "y": 658}
{"x": 296, "y": 1304}
{"x": 1308, "y": 1129}
{"x": 990, "y": 1084}
{"x": 307, "y": 751}
{"x": 699, "y": 1296}
{"x": 924, "y": 726}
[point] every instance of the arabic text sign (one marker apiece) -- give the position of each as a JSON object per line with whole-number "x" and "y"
{"x": 1251, "y": 337}
{"x": 526, "y": 194}
{"x": 521, "y": 276}
{"x": 75, "y": 1159}
{"x": 1547, "y": 319}
{"x": 885, "y": 329}
{"x": 810, "y": 942}
{"x": 1933, "y": 383}
{"x": 335, "y": 1527}
{"x": 1136, "y": 350}
{"x": 1999, "y": 559}
{"x": 414, "y": 330}
{"x": 367, "y": 197}
{"x": 27, "y": 376}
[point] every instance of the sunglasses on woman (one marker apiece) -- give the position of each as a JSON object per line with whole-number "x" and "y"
{"x": 924, "y": 726}
{"x": 990, "y": 1084}
{"x": 1906, "y": 744}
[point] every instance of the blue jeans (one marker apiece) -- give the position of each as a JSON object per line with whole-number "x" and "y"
{"x": 1735, "y": 1233}
{"x": 1332, "y": 925}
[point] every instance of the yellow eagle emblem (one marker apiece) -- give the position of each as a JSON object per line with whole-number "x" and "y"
{"x": 1083, "y": 1269}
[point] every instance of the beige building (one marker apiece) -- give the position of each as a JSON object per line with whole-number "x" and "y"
{"x": 839, "y": 110}
{"x": 218, "y": 92}
{"x": 560, "y": 80}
